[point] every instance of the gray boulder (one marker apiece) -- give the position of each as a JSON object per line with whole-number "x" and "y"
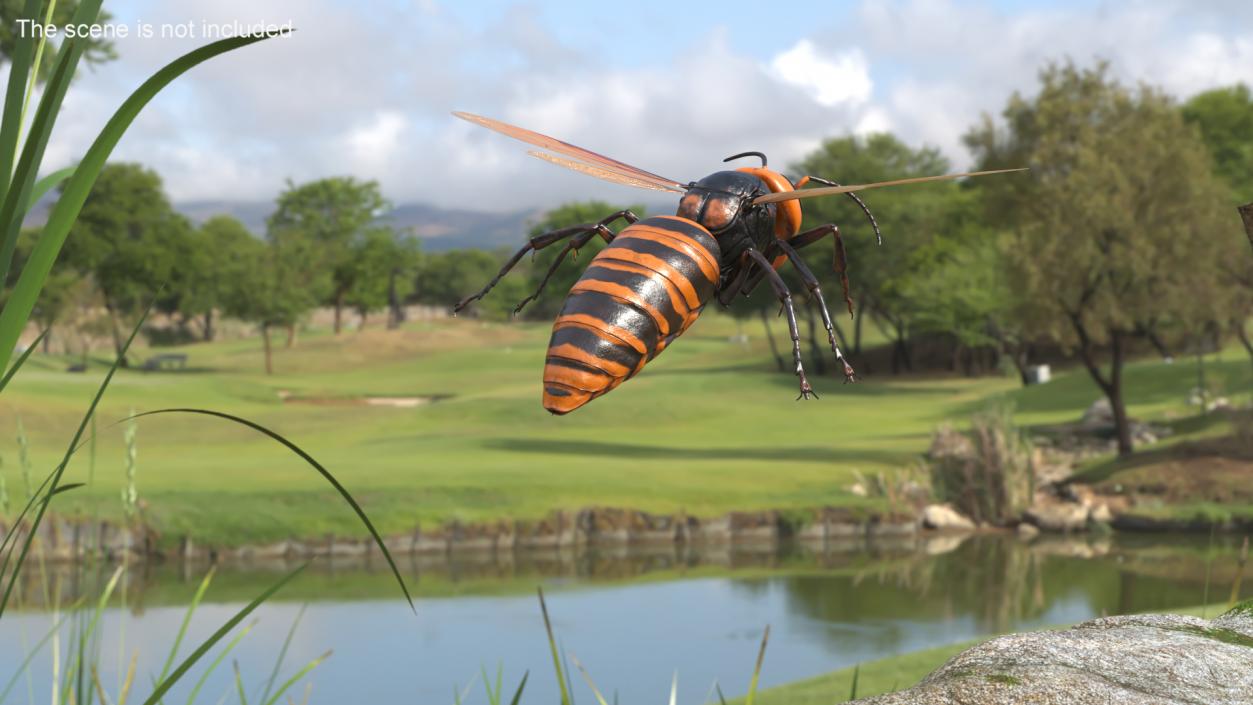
{"x": 1133, "y": 660}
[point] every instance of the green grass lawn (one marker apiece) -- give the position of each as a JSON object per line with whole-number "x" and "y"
{"x": 707, "y": 428}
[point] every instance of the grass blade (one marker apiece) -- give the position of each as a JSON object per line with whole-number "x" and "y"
{"x": 38, "y": 62}
{"x": 296, "y": 677}
{"x": 17, "y": 197}
{"x": 222, "y": 631}
{"x": 278, "y": 663}
{"x": 226, "y": 650}
{"x": 674, "y": 689}
{"x": 1235, "y": 586}
{"x": 852, "y": 692}
{"x": 493, "y": 696}
{"x": 127, "y": 682}
{"x": 1209, "y": 563}
{"x": 326, "y": 474}
{"x": 19, "y": 68}
{"x": 4, "y": 381}
{"x": 9, "y": 538}
{"x": 761, "y": 655}
{"x": 722, "y": 699}
{"x": 22, "y": 300}
{"x": 182, "y": 629}
{"x": 55, "y": 478}
{"x": 517, "y": 695}
{"x": 30, "y": 655}
{"x": 99, "y": 687}
{"x": 46, "y": 184}
{"x": 588, "y": 677}
{"x": 239, "y": 685}
{"x": 552, "y": 644}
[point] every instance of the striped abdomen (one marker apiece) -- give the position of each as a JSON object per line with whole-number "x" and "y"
{"x": 638, "y": 294}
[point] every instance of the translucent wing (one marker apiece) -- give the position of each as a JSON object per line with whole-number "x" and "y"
{"x": 603, "y": 173}
{"x": 587, "y": 156}
{"x": 833, "y": 190}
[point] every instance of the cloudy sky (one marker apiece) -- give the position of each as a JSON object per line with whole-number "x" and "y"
{"x": 366, "y": 88}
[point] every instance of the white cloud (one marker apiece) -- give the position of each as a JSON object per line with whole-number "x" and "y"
{"x": 830, "y": 81}
{"x": 373, "y": 145}
{"x": 369, "y": 93}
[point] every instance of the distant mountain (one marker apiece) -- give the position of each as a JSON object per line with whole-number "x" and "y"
{"x": 447, "y": 229}
{"x": 251, "y": 213}
{"x": 439, "y": 228}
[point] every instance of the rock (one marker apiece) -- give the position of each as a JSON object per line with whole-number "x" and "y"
{"x": 1101, "y": 513}
{"x": 1059, "y": 516}
{"x": 1027, "y": 531}
{"x": 942, "y": 516}
{"x": 1098, "y": 416}
{"x": 1133, "y": 660}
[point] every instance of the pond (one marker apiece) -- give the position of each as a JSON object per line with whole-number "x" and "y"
{"x": 633, "y": 619}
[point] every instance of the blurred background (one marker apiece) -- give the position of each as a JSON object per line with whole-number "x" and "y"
{"x": 1055, "y": 369}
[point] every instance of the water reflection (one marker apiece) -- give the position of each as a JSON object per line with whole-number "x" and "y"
{"x": 635, "y": 616}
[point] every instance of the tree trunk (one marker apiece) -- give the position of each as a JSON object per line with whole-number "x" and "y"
{"x": 361, "y": 323}
{"x": 815, "y": 350}
{"x": 1121, "y": 424}
{"x": 47, "y": 341}
{"x": 206, "y": 325}
{"x": 839, "y": 332}
{"x": 395, "y": 312}
{"x": 117, "y": 334}
{"x": 339, "y": 308}
{"x": 861, "y": 313}
{"x": 1246, "y": 213}
{"x": 1243, "y": 335}
{"x": 900, "y": 351}
{"x": 1111, "y": 386}
{"x": 774, "y": 347}
{"x": 265, "y": 342}
{"x": 1019, "y": 354}
{"x": 291, "y": 334}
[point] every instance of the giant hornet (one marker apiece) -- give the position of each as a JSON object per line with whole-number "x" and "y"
{"x": 732, "y": 229}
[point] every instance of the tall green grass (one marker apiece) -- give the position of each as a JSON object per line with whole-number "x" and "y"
{"x": 20, "y": 161}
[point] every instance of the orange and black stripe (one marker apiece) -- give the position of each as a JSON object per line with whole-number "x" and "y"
{"x": 638, "y": 294}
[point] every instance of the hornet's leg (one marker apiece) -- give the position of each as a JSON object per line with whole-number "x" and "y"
{"x": 785, "y": 298}
{"x": 539, "y": 242}
{"x": 811, "y": 283}
{"x": 805, "y": 239}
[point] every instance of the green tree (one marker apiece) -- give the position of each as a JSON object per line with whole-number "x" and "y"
{"x": 1224, "y": 117}
{"x": 270, "y": 292}
{"x": 385, "y": 269}
{"x": 333, "y": 215}
{"x": 213, "y": 269}
{"x": 62, "y": 290}
{"x": 448, "y": 277}
{"x": 128, "y": 239}
{"x": 1107, "y": 229}
{"x": 548, "y": 303}
{"x": 910, "y": 217}
{"x": 964, "y": 292}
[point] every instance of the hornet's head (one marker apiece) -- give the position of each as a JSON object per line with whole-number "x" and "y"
{"x": 723, "y": 202}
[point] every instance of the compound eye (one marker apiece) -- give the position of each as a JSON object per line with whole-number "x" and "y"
{"x": 720, "y": 213}
{"x": 689, "y": 207}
